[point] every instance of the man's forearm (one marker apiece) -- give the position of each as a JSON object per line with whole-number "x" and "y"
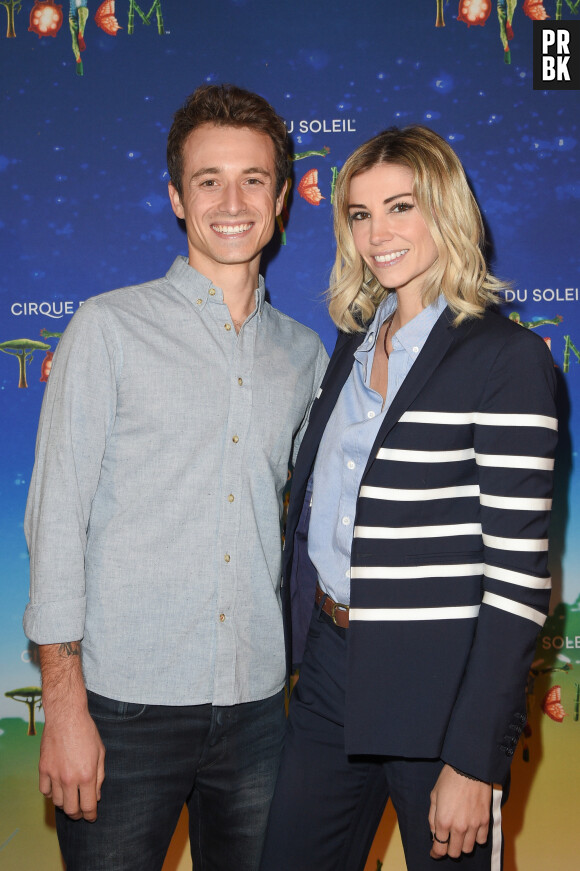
{"x": 72, "y": 755}
{"x": 63, "y": 686}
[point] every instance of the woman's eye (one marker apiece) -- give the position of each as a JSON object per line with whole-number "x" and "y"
{"x": 358, "y": 216}
{"x": 402, "y": 207}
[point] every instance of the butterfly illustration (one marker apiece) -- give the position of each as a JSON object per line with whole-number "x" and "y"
{"x": 552, "y": 704}
{"x": 308, "y": 187}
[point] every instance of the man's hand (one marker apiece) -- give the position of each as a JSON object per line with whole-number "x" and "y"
{"x": 72, "y": 755}
{"x": 460, "y": 809}
{"x": 72, "y": 765}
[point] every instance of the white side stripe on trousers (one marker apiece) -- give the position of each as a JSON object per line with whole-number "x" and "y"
{"x": 495, "y": 832}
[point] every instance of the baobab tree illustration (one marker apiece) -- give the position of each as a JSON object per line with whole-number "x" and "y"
{"x": 31, "y": 696}
{"x": 23, "y": 349}
{"x": 12, "y": 7}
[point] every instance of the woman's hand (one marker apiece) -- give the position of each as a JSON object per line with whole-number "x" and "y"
{"x": 459, "y": 813}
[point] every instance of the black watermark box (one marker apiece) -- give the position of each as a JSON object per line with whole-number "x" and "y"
{"x": 556, "y": 55}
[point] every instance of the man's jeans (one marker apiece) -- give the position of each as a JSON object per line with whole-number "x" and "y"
{"x": 221, "y": 762}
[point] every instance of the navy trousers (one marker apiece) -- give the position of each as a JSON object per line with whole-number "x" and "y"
{"x": 327, "y": 805}
{"x": 220, "y": 761}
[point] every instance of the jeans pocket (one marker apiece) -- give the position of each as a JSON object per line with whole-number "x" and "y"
{"x": 103, "y": 708}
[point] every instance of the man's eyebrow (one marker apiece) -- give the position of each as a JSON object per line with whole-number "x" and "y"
{"x": 258, "y": 170}
{"x": 215, "y": 170}
{"x": 205, "y": 170}
{"x": 388, "y": 200}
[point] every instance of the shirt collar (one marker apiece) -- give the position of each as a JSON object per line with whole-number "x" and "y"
{"x": 385, "y": 309}
{"x": 410, "y": 337}
{"x": 200, "y": 290}
{"x": 414, "y": 334}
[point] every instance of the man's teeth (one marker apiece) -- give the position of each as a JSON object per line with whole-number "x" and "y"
{"x": 230, "y": 230}
{"x": 386, "y": 258}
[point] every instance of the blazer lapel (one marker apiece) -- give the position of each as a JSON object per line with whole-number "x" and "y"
{"x": 338, "y": 370}
{"x": 438, "y": 342}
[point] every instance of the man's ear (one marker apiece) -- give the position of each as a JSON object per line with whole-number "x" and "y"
{"x": 280, "y": 198}
{"x": 175, "y": 200}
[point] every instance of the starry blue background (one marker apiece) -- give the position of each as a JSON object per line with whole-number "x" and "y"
{"x": 83, "y": 178}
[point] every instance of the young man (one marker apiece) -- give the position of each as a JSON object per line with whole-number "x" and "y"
{"x": 153, "y": 521}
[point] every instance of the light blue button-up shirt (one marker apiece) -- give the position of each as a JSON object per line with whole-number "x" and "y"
{"x": 347, "y": 442}
{"x": 154, "y": 510}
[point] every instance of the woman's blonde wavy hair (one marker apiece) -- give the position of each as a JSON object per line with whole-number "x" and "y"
{"x": 442, "y": 194}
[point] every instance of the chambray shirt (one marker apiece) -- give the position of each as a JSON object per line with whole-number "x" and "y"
{"x": 153, "y": 518}
{"x": 348, "y": 440}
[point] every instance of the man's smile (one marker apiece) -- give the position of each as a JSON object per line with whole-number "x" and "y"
{"x": 231, "y": 229}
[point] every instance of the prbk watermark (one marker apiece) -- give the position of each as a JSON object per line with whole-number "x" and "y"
{"x": 556, "y": 55}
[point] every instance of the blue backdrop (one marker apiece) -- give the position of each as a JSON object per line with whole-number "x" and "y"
{"x": 84, "y": 209}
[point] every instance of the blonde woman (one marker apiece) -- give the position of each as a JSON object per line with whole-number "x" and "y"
{"x": 416, "y": 555}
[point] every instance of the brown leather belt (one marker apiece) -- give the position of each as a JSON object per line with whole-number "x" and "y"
{"x": 335, "y": 610}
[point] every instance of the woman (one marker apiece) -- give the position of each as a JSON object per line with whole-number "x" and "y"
{"x": 417, "y": 531}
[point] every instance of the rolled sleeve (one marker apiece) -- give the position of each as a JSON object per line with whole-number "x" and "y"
{"x": 55, "y": 622}
{"x": 77, "y": 413}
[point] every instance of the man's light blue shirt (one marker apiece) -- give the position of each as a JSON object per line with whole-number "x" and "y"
{"x": 154, "y": 511}
{"x": 347, "y": 442}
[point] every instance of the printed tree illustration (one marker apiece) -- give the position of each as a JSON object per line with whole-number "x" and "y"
{"x": 23, "y": 349}
{"x": 31, "y": 696}
{"x": 12, "y": 8}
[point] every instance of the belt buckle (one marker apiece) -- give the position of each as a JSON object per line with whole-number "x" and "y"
{"x": 336, "y": 605}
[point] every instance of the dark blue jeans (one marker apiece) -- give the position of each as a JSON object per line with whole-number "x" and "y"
{"x": 221, "y": 762}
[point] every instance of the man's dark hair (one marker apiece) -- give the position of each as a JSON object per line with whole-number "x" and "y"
{"x": 226, "y": 106}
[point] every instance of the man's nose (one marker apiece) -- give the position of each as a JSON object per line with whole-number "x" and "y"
{"x": 233, "y": 200}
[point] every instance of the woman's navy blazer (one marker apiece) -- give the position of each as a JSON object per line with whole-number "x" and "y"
{"x": 449, "y": 579}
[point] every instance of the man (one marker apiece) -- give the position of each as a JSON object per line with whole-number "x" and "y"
{"x": 153, "y": 521}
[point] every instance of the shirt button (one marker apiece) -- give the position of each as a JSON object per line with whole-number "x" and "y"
{"x": 240, "y": 381}
{"x": 347, "y": 574}
{"x": 211, "y": 291}
{"x": 228, "y": 327}
{"x": 227, "y": 557}
{"x": 350, "y": 464}
{"x": 231, "y": 497}
{"x": 235, "y": 439}
{"x": 370, "y": 415}
{"x": 371, "y": 337}
{"x": 199, "y": 301}
{"x": 346, "y": 521}
{"x": 222, "y": 618}
{"x": 415, "y": 349}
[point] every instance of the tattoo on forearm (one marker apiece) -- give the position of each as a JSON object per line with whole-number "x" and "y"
{"x": 70, "y": 648}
